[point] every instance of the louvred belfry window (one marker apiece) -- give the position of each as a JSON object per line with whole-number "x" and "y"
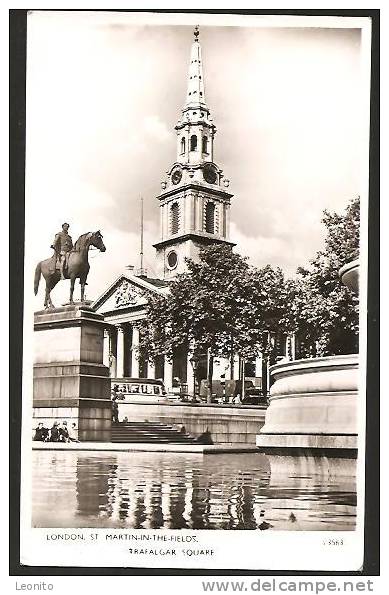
{"x": 210, "y": 217}
{"x": 193, "y": 142}
{"x": 174, "y": 218}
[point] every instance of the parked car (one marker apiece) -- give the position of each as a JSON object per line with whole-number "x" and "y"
{"x": 258, "y": 399}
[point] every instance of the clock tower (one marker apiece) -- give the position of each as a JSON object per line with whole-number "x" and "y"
{"x": 194, "y": 202}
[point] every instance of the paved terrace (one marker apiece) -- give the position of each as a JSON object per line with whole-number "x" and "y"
{"x": 123, "y": 447}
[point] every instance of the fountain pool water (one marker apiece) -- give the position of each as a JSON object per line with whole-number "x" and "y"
{"x": 190, "y": 491}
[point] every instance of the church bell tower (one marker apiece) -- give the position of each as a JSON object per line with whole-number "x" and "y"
{"x": 194, "y": 202}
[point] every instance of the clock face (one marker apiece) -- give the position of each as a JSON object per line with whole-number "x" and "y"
{"x": 176, "y": 175}
{"x": 209, "y": 174}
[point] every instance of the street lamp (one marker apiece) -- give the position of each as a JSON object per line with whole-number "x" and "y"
{"x": 194, "y": 360}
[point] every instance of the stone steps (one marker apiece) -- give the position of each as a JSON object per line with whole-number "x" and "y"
{"x": 149, "y": 432}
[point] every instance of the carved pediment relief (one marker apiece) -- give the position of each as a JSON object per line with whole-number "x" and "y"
{"x": 127, "y": 295}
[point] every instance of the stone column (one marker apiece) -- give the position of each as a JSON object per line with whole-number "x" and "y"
{"x": 120, "y": 352}
{"x": 188, "y": 213}
{"x": 161, "y": 222}
{"x": 194, "y": 216}
{"x": 106, "y": 347}
{"x": 168, "y": 374}
{"x": 113, "y": 351}
{"x": 189, "y": 376}
{"x": 199, "y": 226}
{"x": 134, "y": 353}
{"x": 227, "y": 233}
{"x": 258, "y": 367}
{"x": 166, "y": 208}
{"x": 291, "y": 346}
{"x": 220, "y": 367}
{"x": 150, "y": 370}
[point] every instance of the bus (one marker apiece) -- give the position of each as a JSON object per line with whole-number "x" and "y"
{"x": 137, "y": 390}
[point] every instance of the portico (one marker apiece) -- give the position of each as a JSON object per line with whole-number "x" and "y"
{"x": 123, "y": 305}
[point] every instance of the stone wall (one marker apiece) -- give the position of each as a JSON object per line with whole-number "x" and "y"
{"x": 223, "y": 425}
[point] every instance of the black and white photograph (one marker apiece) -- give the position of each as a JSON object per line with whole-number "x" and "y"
{"x": 195, "y": 290}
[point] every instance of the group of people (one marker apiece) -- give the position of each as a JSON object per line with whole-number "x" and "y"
{"x": 57, "y": 433}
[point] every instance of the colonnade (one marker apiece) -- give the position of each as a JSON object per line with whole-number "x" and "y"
{"x": 121, "y": 357}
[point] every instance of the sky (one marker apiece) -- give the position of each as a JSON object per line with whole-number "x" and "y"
{"x": 104, "y": 92}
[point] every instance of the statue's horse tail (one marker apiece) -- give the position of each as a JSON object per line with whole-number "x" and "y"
{"x": 37, "y": 277}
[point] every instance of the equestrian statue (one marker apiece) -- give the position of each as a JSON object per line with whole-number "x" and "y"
{"x": 67, "y": 262}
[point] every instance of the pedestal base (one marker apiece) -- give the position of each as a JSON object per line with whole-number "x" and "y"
{"x": 93, "y": 417}
{"x": 70, "y": 381}
{"x": 309, "y": 443}
{"x": 313, "y": 406}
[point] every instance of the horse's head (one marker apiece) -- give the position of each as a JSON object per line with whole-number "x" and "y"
{"x": 96, "y": 240}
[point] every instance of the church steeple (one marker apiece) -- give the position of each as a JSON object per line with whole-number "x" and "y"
{"x": 194, "y": 200}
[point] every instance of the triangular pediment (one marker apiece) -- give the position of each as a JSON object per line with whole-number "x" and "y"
{"x": 127, "y": 291}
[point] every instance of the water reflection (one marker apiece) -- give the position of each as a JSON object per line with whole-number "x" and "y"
{"x": 176, "y": 491}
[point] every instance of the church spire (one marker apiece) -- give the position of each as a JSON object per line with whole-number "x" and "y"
{"x": 195, "y": 96}
{"x": 195, "y": 128}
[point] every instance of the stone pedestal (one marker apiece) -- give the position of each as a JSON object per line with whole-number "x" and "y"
{"x": 313, "y": 405}
{"x": 70, "y": 381}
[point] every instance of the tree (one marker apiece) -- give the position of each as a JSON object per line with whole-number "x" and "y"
{"x": 324, "y": 313}
{"x": 221, "y": 306}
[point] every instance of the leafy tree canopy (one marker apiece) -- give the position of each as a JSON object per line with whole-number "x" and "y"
{"x": 220, "y": 303}
{"x": 324, "y": 312}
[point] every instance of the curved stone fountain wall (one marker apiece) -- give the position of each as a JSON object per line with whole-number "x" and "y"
{"x": 313, "y": 404}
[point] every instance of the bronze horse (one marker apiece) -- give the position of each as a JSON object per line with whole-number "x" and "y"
{"x": 77, "y": 267}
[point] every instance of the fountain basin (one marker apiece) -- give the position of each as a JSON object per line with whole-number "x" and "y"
{"x": 313, "y": 404}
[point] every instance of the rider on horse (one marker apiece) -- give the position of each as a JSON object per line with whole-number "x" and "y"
{"x": 72, "y": 260}
{"x": 62, "y": 245}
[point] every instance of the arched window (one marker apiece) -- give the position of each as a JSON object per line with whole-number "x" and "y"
{"x": 174, "y": 218}
{"x": 193, "y": 142}
{"x": 205, "y": 144}
{"x": 210, "y": 217}
{"x": 183, "y": 145}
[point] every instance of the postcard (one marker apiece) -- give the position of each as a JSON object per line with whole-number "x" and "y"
{"x": 197, "y": 190}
